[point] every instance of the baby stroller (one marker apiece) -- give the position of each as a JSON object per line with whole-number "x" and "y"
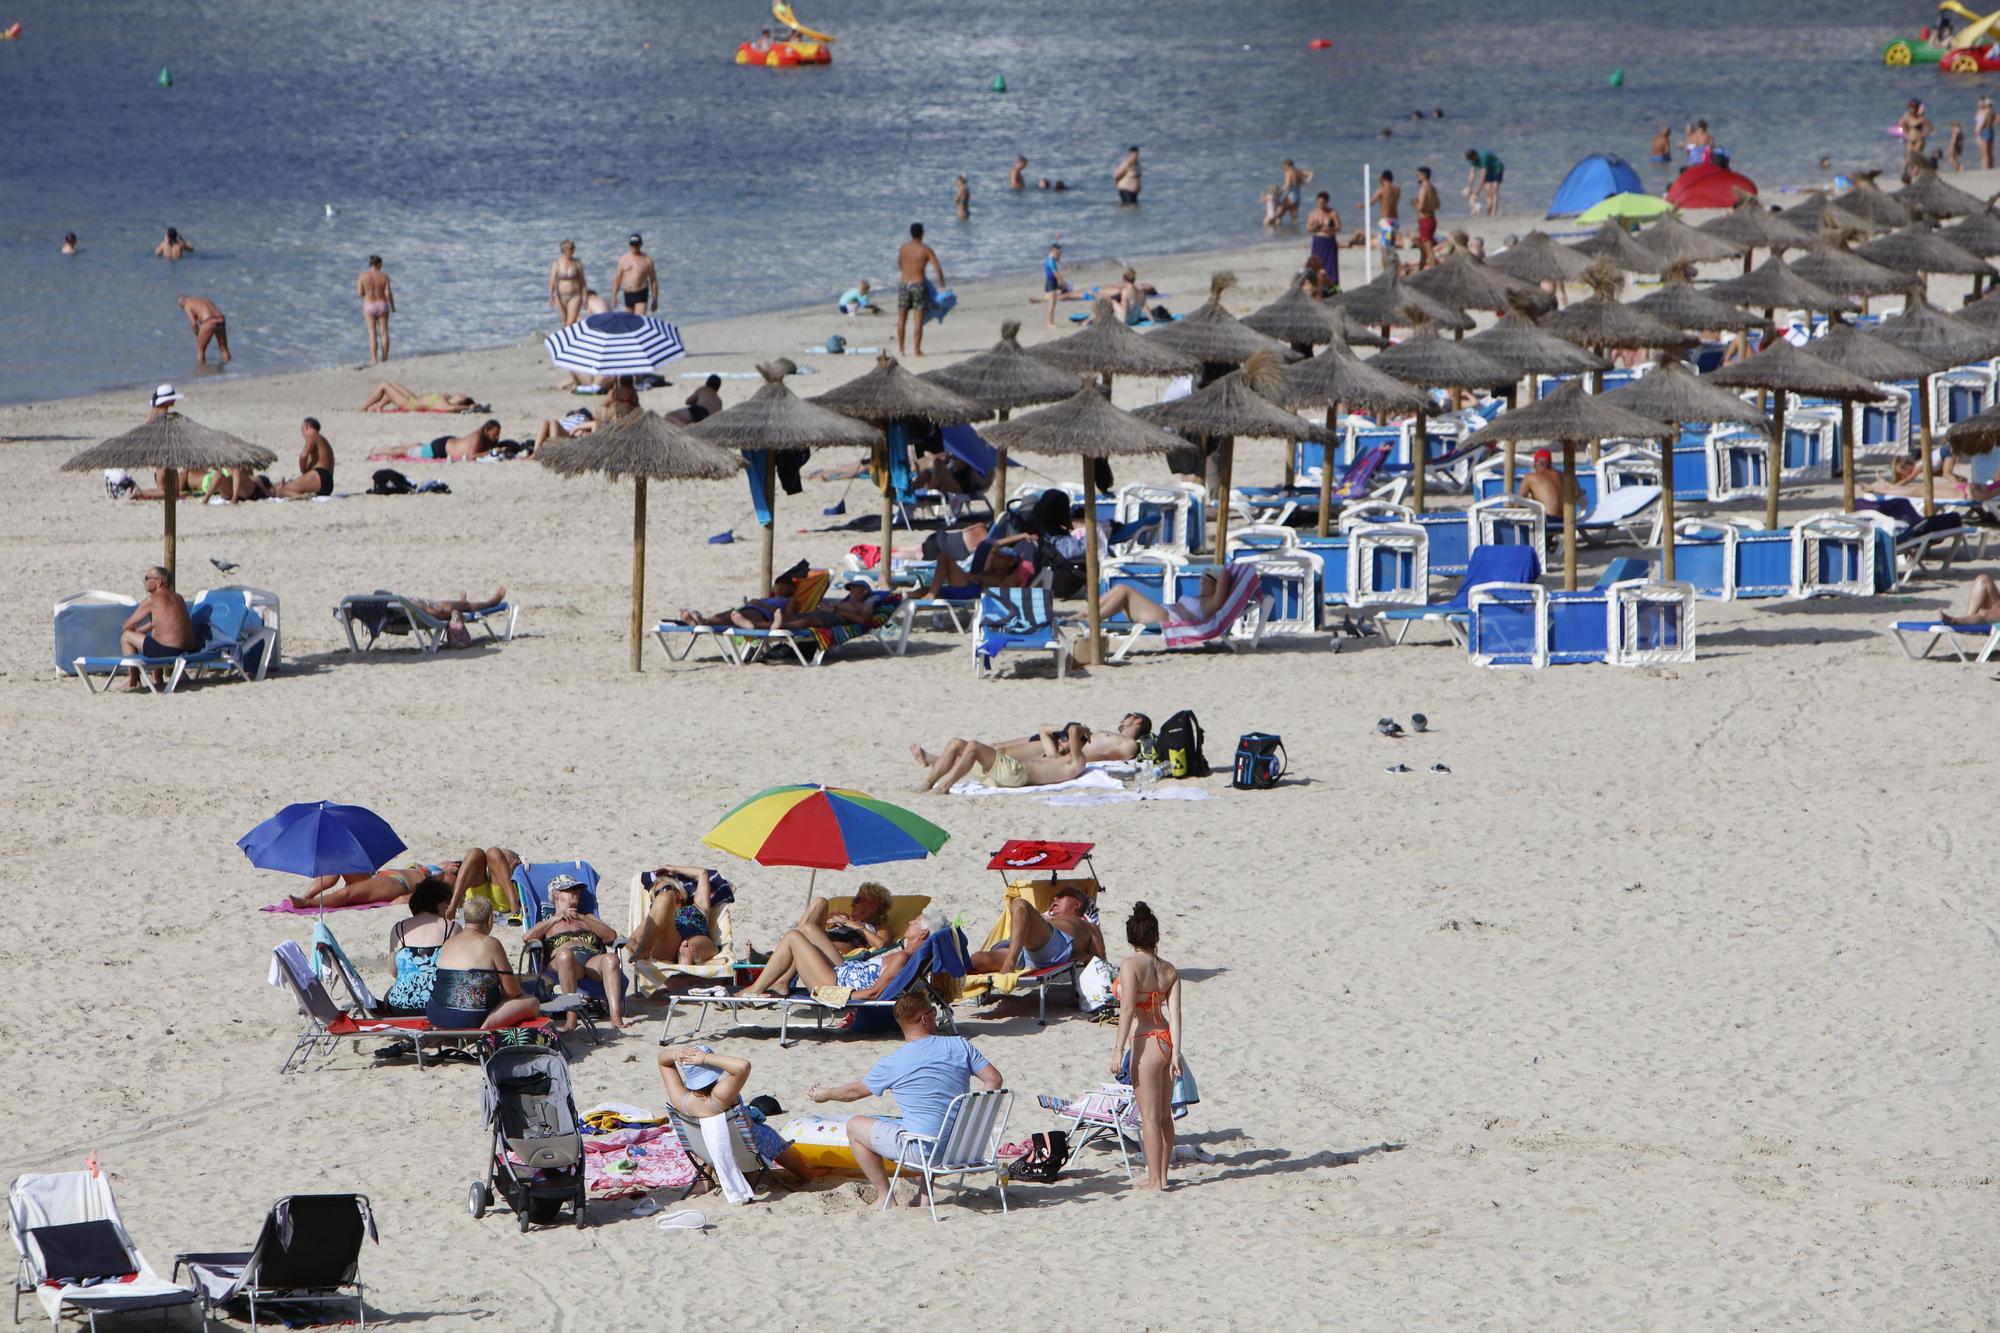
{"x": 537, "y": 1156}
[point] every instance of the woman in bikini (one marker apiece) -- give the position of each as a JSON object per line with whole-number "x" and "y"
{"x": 392, "y": 397}
{"x": 679, "y": 917}
{"x": 484, "y": 872}
{"x": 1149, "y": 1027}
{"x": 566, "y": 284}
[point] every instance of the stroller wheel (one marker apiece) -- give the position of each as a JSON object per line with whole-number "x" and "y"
{"x": 478, "y": 1200}
{"x": 579, "y": 1215}
{"x": 522, "y": 1218}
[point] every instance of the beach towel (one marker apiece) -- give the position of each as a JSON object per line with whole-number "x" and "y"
{"x": 1182, "y": 633}
{"x": 322, "y": 938}
{"x": 720, "y": 1140}
{"x": 938, "y": 302}
{"x": 1099, "y": 785}
{"x": 288, "y": 909}
{"x": 634, "y": 1161}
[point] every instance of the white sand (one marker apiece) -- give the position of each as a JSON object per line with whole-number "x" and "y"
{"x": 1674, "y": 998}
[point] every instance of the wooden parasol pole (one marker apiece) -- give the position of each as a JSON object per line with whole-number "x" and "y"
{"x": 1569, "y": 515}
{"x": 1326, "y": 452}
{"x": 1420, "y": 450}
{"x": 770, "y": 523}
{"x": 1847, "y": 455}
{"x": 1222, "y": 504}
{"x": 638, "y": 566}
{"x": 999, "y": 477}
{"x": 1093, "y": 652}
{"x": 173, "y": 504}
{"x": 1923, "y": 437}
{"x": 1774, "y": 459}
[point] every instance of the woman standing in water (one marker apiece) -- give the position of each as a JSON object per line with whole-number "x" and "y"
{"x": 566, "y": 284}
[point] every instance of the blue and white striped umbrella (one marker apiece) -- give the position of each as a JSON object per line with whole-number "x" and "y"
{"x": 615, "y": 344}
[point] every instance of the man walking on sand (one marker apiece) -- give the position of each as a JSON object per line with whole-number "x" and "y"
{"x": 1125, "y": 177}
{"x": 911, "y": 295}
{"x": 206, "y": 320}
{"x": 378, "y": 302}
{"x": 1388, "y": 197}
{"x": 1427, "y": 219}
{"x": 636, "y": 283}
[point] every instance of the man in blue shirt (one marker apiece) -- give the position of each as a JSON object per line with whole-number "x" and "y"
{"x": 925, "y": 1073}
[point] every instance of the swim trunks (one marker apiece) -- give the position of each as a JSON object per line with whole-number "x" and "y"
{"x": 437, "y": 448}
{"x": 633, "y": 300}
{"x": 152, "y": 647}
{"x": 1006, "y": 771}
{"x": 696, "y": 412}
{"x": 1427, "y": 228}
{"x": 1055, "y": 951}
{"x": 690, "y": 921}
{"x": 374, "y": 309}
{"x": 1128, "y": 196}
{"x": 325, "y": 475}
{"x": 912, "y": 296}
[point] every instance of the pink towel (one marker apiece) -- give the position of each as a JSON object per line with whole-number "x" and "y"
{"x": 286, "y": 907}
{"x": 626, "y": 1162}
{"x": 1243, "y": 584}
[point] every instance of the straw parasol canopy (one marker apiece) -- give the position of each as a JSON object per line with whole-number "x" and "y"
{"x": 1818, "y": 213}
{"x": 1943, "y": 342}
{"x": 1975, "y": 435}
{"x": 1005, "y": 376}
{"x": 1571, "y": 417}
{"x": 1538, "y": 257}
{"x": 1680, "y": 304}
{"x": 1866, "y": 200}
{"x": 1919, "y": 250}
{"x": 1872, "y": 358}
{"x": 1613, "y": 244}
{"x": 775, "y": 418}
{"x": 1085, "y": 425}
{"x": 1524, "y": 347}
{"x": 1772, "y": 285}
{"x": 1784, "y": 369}
{"x": 1338, "y": 376}
{"x": 172, "y": 441}
{"x": 1212, "y": 335}
{"x": 1673, "y": 240}
{"x": 1388, "y": 302}
{"x": 1929, "y": 197}
{"x": 1106, "y": 347}
{"x": 1465, "y": 283}
{"x": 644, "y": 446}
{"x": 1601, "y": 322}
{"x": 1830, "y": 264}
{"x": 1295, "y": 319}
{"x": 1978, "y": 234}
{"x": 1751, "y": 225}
{"x": 1352, "y": 332}
{"x": 1983, "y": 313}
{"x": 1428, "y": 361}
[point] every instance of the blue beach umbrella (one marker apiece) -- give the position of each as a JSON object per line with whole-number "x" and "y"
{"x": 320, "y": 838}
{"x": 615, "y": 344}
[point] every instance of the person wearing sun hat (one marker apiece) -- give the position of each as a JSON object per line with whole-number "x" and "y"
{"x": 700, "y": 1084}
{"x": 118, "y": 483}
{"x": 578, "y": 943}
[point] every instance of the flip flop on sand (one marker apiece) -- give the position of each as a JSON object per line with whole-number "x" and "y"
{"x": 687, "y": 1219}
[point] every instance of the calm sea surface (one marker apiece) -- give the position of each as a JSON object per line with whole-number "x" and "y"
{"x": 461, "y": 141}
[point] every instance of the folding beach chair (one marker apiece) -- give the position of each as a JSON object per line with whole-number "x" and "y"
{"x": 531, "y": 890}
{"x": 967, "y": 1143}
{"x": 74, "y": 1253}
{"x": 742, "y": 1146}
{"x": 1059, "y": 859}
{"x": 384, "y": 613}
{"x": 1627, "y": 511}
{"x": 308, "y": 1253}
{"x": 1013, "y": 620}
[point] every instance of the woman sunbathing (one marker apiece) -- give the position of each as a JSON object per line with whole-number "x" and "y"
{"x": 392, "y": 397}
{"x": 863, "y": 926}
{"x": 579, "y": 422}
{"x": 1194, "y": 609}
{"x": 483, "y": 872}
{"x": 800, "y": 958}
{"x": 679, "y": 924}
{"x": 762, "y": 612}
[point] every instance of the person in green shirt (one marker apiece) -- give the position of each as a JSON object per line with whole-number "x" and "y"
{"x": 1482, "y": 181}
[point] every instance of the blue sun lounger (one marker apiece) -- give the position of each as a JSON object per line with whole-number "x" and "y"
{"x": 233, "y": 636}
{"x": 1486, "y": 564}
{"x": 1013, "y": 620}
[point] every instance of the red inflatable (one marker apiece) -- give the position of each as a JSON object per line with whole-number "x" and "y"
{"x": 1320, "y": 44}
{"x": 1708, "y": 186}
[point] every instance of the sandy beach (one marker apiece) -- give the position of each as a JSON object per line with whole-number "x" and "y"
{"x": 1668, "y": 1006}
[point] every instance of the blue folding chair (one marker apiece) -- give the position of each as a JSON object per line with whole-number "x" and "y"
{"x": 1017, "y": 619}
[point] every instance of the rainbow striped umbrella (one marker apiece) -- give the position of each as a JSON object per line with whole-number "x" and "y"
{"x": 826, "y": 828}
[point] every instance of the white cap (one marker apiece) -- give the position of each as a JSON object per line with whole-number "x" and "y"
{"x": 166, "y": 394}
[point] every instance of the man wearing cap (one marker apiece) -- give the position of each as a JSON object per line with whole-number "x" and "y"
{"x": 925, "y": 1073}
{"x": 206, "y": 320}
{"x": 1059, "y": 936}
{"x": 160, "y": 627}
{"x": 636, "y": 284}
{"x": 1125, "y": 176}
{"x": 1545, "y": 484}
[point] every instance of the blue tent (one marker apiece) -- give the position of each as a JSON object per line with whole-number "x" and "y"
{"x": 1592, "y": 180}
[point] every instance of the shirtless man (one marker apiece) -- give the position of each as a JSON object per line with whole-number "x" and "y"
{"x": 1043, "y": 939}
{"x": 961, "y": 198}
{"x": 702, "y": 404}
{"x": 912, "y": 260}
{"x": 1290, "y": 183}
{"x": 593, "y": 304}
{"x": 1104, "y": 747}
{"x": 315, "y": 465}
{"x": 455, "y": 447}
{"x": 1916, "y": 128}
{"x": 160, "y": 627}
{"x": 207, "y": 322}
{"x": 1016, "y": 180}
{"x": 1323, "y": 225}
{"x": 1427, "y": 218}
{"x": 1129, "y": 301}
{"x": 1545, "y": 484}
{"x": 1125, "y": 176}
{"x": 378, "y": 302}
{"x": 1388, "y": 197}
{"x": 173, "y": 247}
{"x": 636, "y": 283}
{"x": 961, "y": 759}
{"x": 1663, "y": 144}
{"x": 566, "y": 284}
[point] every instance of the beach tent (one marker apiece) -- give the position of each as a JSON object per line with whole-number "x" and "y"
{"x": 1708, "y": 186}
{"x": 1597, "y": 177}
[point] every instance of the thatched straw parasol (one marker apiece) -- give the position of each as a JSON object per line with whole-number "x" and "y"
{"x": 1389, "y": 302}
{"x": 777, "y": 420}
{"x": 1818, "y": 213}
{"x": 1106, "y": 347}
{"x": 1674, "y": 394}
{"x": 171, "y": 440}
{"x": 1783, "y": 368}
{"x": 1429, "y": 362}
{"x": 1831, "y": 265}
{"x": 1241, "y": 403}
{"x": 1465, "y": 283}
{"x": 644, "y": 446}
{"x": 1213, "y": 336}
{"x": 1975, "y": 436}
{"x": 1352, "y": 331}
{"x": 1674, "y": 241}
{"x": 1753, "y": 226}
{"x": 1338, "y": 376}
{"x": 891, "y": 397}
{"x": 1570, "y": 417}
{"x": 1919, "y": 250}
{"x": 1979, "y": 235}
{"x": 1539, "y": 257}
{"x": 1601, "y": 323}
{"x": 1929, "y": 197}
{"x": 1943, "y": 342}
{"x": 1528, "y": 350}
{"x": 1983, "y": 313}
{"x": 1679, "y": 303}
{"x": 1862, "y": 353}
{"x": 1002, "y": 379}
{"x": 1866, "y": 200}
{"x": 1296, "y": 319}
{"x": 1085, "y": 425}
{"x": 1772, "y": 285}
{"x": 1614, "y": 245}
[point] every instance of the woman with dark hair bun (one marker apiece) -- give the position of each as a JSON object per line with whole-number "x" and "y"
{"x": 1149, "y": 1032}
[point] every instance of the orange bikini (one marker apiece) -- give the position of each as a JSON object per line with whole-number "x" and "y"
{"x": 1147, "y": 1005}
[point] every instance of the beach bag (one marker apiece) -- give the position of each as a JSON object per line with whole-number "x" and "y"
{"x": 388, "y": 481}
{"x": 836, "y": 344}
{"x": 1178, "y": 744}
{"x": 1093, "y": 986}
{"x": 1047, "y": 1155}
{"x": 1260, "y": 761}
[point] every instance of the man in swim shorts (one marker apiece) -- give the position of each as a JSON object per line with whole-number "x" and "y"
{"x": 378, "y": 302}
{"x": 160, "y": 627}
{"x": 1388, "y": 197}
{"x": 1037, "y": 940}
{"x": 636, "y": 283}
{"x": 315, "y": 465}
{"x": 702, "y": 404}
{"x": 1125, "y": 176}
{"x": 961, "y": 759}
{"x": 1427, "y": 218}
{"x": 913, "y": 259}
{"x": 207, "y": 323}
{"x": 458, "y": 448}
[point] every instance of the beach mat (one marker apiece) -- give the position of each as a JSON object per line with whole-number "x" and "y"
{"x": 289, "y": 910}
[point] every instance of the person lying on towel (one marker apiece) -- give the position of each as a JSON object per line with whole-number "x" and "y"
{"x": 456, "y": 448}
{"x": 1106, "y": 745}
{"x": 1061, "y": 760}
{"x": 483, "y": 872}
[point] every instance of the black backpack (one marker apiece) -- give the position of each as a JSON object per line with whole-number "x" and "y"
{"x": 1048, "y": 1153}
{"x": 1178, "y": 744}
{"x": 1260, "y": 761}
{"x": 388, "y": 481}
